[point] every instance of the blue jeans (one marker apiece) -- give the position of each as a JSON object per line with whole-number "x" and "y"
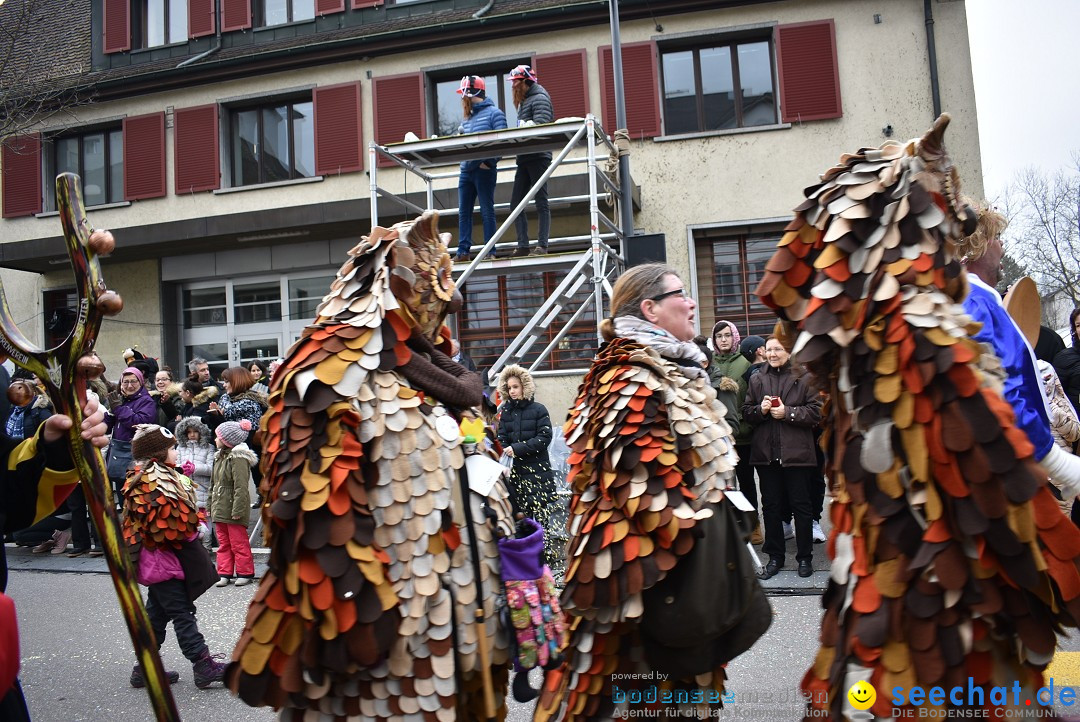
{"x": 475, "y": 185}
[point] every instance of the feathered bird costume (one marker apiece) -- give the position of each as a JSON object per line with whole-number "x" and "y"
{"x": 950, "y": 556}
{"x": 649, "y": 449}
{"x": 367, "y": 608}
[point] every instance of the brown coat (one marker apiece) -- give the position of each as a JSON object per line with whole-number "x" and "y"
{"x": 789, "y": 440}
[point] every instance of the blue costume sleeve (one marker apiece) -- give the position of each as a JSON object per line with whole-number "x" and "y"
{"x": 1023, "y": 387}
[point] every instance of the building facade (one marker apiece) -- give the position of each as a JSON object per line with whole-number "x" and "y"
{"x": 225, "y": 145}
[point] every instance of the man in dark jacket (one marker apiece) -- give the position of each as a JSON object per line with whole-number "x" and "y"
{"x": 534, "y": 108}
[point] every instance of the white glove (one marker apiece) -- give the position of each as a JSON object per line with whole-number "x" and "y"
{"x": 1064, "y": 469}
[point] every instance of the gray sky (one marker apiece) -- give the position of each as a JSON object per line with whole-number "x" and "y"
{"x": 1024, "y": 56}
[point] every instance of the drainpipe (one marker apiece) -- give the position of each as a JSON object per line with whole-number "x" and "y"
{"x": 935, "y": 91}
{"x": 484, "y": 10}
{"x": 217, "y": 38}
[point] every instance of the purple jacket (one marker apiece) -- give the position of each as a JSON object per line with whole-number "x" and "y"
{"x": 138, "y": 409}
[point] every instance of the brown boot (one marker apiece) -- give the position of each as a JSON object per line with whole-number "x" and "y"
{"x": 756, "y": 537}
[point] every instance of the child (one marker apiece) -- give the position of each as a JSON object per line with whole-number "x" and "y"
{"x": 195, "y": 447}
{"x": 230, "y": 502}
{"x": 161, "y": 525}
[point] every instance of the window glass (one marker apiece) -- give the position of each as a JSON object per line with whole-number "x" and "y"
{"x": 116, "y": 166}
{"x": 95, "y": 192}
{"x": 216, "y": 355}
{"x": 680, "y": 95}
{"x": 67, "y": 156}
{"x": 755, "y": 76}
{"x": 257, "y": 302}
{"x": 303, "y": 127}
{"x": 717, "y": 89}
{"x": 245, "y": 147}
{"x": 275, "y": 156}
{"x": 276, "y": 12}
{"x": 305, "y": 295}
{"x": 204, "y": 307}
{"x": 155, "y": 23}
{"x": 729, "y": 269}
{"x": 258, "y": 349}
{"x": 303, "y": 10}
{"x": 448, "y": 107}
{"x": 178, "y": 30}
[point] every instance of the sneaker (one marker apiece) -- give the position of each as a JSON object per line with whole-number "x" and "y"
{"x": 76, "y": 553}
{"x": 223, "y": 582}
{"x": 138, "y": 681}
{"x": 208, "y": 669}
{"x": 819, "y": 536}
{"x": 520, "y": 252}
{"x": 539, "y": 251}
{"x": 789, "y": 530}
{"x": 242, "y": 581}
{"x": 95, "y": 552}
{"x": 61, "y": 538}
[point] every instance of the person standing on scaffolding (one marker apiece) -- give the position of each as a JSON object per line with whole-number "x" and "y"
{"x": 477, "y": 179}
{"x": 534, "y": 108}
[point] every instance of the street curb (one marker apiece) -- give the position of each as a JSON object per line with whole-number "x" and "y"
{"x": 21, "y": 559}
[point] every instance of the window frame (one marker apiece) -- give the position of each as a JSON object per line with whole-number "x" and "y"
{"x": 49, "y": 160}
{"x": 140, "y": 19}
{"x": 259, "y": 12}
{"x": 500, "y": 68}
{"x": 732, "y": 41}
{"x": 232, "y": 135}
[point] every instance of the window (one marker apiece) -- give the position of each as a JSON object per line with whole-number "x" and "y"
{"x": 60, "y": 308}
{"x": 305, "y": 295}
{"x": 729, "y": 268}
{"x": 160, "y": 22}
{"x": 279, "y": 12}
{"x": 498, "y": 307}
{"x": 718, "y": 87}
{"x": 204, "y": 307}
{"x": 272, "y": 143}
{"x": 448, "y": 115}
{"x": 97, "y": 157}
{"x": 257, "y": 302}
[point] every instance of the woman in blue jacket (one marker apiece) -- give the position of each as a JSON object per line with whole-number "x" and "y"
{"x": 477, "y": 179}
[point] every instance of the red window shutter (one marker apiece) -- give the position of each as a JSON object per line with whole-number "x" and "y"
{"x": 640, "y": 88}
{"x": 235, "y": 15}
{"x": 195, "y": 148}
{"x": 144, "y": 157}
{"x": 398, "y": 103}
{"x": 117, "y": 26}
{"x": 325, "y": 7}
{"x": 339, "y": 146}
{"x": 21, "y": 157}
{"x": 809, "y": 75}
{"x": 365, "y": 3}
{"x": 565, "y": 77}
{"x": 201, "y": 20}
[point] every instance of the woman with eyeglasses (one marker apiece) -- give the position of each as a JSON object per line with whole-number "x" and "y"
{"x": 651, "y": 454}
{"x": 136, "y": 407}
{"x": 783, "y": 408}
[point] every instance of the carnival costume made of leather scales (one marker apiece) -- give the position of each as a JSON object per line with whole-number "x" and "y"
{"x": 950, "y": 556}
{"x": 649, "y": 448}
{"x": 367, "y": 610}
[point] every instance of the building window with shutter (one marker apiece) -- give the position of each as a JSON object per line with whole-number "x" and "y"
{"x": 280, "y": 12}
{"x": 159, "y": 22}
{"x": 270, "y": 143}
{"x": 718, "y": 86}
{"x": 497, "y": 308}
{"x": 729, "y": 267}
{"x": 96, "y": 156}
{"x": 446, "y": 102}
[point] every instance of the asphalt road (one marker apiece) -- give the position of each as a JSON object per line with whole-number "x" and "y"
{"x": 76, "y": 656}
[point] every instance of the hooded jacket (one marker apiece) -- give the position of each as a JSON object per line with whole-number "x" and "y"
{"x": 132, "y": 410}
{"x": 524, "y": 424}
{"x": 200, "y": 453}
{"x": 171, "y": 406}
{"x": 230, "y": 496}
{"x": 789, "y": 440}
{"x": 250, "y": 405}
{"x": 727, "y": 374}
{"x": 200, "y": 407}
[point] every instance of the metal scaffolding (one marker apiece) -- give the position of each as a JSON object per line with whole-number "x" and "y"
{"x": 599, "y": 265}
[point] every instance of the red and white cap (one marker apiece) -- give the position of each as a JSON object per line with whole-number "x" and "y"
{"x": 522, "y": 72}
{"x": 472, "y": 85}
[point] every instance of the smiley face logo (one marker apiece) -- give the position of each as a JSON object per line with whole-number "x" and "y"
{"x": 862, "y": 695}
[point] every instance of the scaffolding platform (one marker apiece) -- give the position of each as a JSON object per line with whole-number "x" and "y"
{"x": 598, "y": 265}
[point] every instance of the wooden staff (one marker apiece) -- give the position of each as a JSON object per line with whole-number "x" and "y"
{"x": 65, "y": 371}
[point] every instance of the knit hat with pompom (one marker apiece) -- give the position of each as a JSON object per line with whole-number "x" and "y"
{"x": 152, "y": 442}
{"x": 232, "y": 433}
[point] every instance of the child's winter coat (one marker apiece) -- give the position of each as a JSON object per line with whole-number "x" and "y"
{"x": 200, "y": 453}
{"x": 230, "y": 495}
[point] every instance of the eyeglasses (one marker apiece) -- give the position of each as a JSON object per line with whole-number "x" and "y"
{"x": 677, "y": 292}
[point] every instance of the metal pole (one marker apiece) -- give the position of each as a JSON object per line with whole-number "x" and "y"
{"x": 626, "y": 202}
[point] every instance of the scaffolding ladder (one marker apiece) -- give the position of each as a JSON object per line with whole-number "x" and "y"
{"x": 598, "y": 265}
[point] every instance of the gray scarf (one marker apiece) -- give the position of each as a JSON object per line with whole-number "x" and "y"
{"x": 649, "y": 334}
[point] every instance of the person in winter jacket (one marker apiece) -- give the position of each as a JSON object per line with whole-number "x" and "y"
{"x": 161, "y": 526}
{"x": 783, "y": 410}
{"x": 29, "y": 409}
{"x": 195, "y": 446}
{"x": 135, "y": 407}
{"x": 524, "y": 431}
{"x": 166, "y": 393}
{"x": 196, "y": 402}
{"x": 477, "y": 179}
{"x": 1067, "y": 362}
{"x": 230, "y": 502}
{"x": 242, "y": 401}
{"x": 533, "y": 108}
